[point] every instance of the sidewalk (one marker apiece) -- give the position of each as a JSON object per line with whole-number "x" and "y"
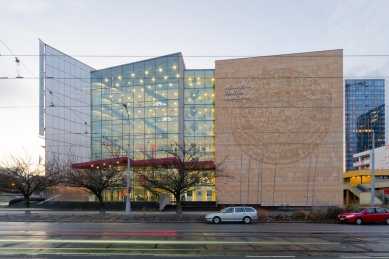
{"x": 4, "y": 211}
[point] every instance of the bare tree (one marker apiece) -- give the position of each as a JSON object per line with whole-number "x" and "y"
{"x": 24, "y": 175}
{"x": 94, "y": 179}
{"x": 185, "y": 167}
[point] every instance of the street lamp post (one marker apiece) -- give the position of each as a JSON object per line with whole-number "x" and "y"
{"x": 13, "y": 190}
{"x": 128, "y": 204}
{"x": 372, "y": 188}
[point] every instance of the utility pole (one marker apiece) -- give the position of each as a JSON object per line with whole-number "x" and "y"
{"x": 128, "y": 204}
{"x": 372, "y": 189}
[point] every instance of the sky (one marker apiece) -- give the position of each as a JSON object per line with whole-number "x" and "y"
{"x": 108, "y": 33}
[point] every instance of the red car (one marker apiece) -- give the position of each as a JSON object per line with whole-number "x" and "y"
{"x": 365, "y": 215}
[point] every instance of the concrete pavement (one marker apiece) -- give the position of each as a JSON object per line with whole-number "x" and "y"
{"x": 67, "y": 212}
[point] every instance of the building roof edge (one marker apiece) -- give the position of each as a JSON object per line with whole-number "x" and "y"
{"x": 278, "y": 55}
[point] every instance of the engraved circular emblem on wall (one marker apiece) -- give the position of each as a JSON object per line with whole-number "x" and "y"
{"x": 286, "y": 117}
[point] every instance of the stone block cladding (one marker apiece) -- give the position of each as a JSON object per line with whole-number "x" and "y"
{"x": 279, "y": 123}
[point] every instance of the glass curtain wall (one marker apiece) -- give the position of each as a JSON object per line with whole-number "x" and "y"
{"x": 365, "y": 112}
{"x": 150, "y": 90}
{"x": 67, "y": 106}
{"x": 372, "y": 121}
{"x": 199, "y": 123}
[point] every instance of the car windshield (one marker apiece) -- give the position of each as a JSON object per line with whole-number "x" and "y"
{"x": 358, "y": 210}
{"x": 223, "y": 210}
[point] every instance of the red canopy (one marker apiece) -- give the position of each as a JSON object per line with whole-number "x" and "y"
{"x": 134, "y": 163}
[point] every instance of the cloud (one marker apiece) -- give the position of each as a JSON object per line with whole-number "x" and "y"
{"x": 24, "y": 6}
{"x": 366, "y": 67}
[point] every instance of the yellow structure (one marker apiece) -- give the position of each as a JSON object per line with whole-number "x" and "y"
{"x": 357, "y": 185}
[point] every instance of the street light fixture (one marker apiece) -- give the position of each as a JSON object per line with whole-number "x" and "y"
{"x": 13, "y": 189}
{"x": 372, "y": 188}
{"x": 128, "y": 204}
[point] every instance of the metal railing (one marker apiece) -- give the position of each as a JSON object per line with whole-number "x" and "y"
{"x": 381, "y": 180}
{"x": 359, "y": 190}
{"x": 379, "y": 194}
{"x": 363, "y": 188}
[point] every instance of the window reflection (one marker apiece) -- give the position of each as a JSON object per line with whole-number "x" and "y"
{"x": 150, "y": 90}
{"x": 199, "y": 109}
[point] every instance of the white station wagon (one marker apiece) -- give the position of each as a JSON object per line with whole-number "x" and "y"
{"x": 235, "y": 213}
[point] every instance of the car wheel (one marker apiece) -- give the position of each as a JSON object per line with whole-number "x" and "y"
{"x": 387, "y": 221}
{"x": 247, "y": 220}
{"x": 216, "y": 220}
{"x": 358, "y": 221}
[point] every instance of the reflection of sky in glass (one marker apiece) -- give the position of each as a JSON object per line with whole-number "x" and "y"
{"x": 363, "y": 99}
{"x": 67, "y": 103}
{"x": 150, "y": 91}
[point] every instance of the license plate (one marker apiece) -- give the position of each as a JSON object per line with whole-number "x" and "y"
{"x": 341, "y": 218}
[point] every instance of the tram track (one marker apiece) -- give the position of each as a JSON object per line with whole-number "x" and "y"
{"x": 178, "y": 241}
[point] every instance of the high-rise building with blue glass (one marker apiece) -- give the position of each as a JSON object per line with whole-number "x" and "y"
{"x": 364, "y": 114}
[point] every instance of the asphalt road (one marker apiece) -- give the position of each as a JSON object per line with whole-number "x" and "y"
{"x": 192, "y": 240}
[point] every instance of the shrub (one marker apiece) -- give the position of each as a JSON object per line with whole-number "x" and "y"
{"x": 303, "y": 214}
{"x": 333, "y": 212}
{"x": 22, "y": 199}
{"x": 262, "y": 214}
{"x": 350, "y": 207}
{"x": 324, "y": 211}
{"x": 327, "y": 212}
{"x": 320, "y": 212}
{"x": 300, "y": 214}
{"x": 279, "y": 216}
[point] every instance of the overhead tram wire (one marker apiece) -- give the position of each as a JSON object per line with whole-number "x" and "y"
{"x": 220, "y": 133}
{"x": 228, "y": 144}
{"x": 286, "y": 55}
{"x": 214, "y": 56}
{"x": 233, "y": 78}
{"x": 18, "y": 61}
{"x": 214, "y": 106}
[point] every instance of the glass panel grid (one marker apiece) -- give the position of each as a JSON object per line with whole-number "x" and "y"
{"x": 365, "y": 113}
{"x": 151, "y": 97}
{"x": 199, "y": 115}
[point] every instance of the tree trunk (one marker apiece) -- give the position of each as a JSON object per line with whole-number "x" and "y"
{"x": 101, "y": 204}
{"x": 26, "y": 201}
{"x": 178, "y": 202}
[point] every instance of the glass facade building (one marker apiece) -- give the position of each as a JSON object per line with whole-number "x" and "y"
{"x": 372, "y": 121}
{"x": 199, "y": 114}
{"x": 199, "y": 122}
{"x": 365, "y": 113}
{"x": 150, "y": 106}
{"x": 65, "y": 99}
{"x": 164, "y": 105}
{"x": 150, "y": 90}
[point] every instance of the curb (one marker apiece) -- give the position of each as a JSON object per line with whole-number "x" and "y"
{"x": 128, "y": 221}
